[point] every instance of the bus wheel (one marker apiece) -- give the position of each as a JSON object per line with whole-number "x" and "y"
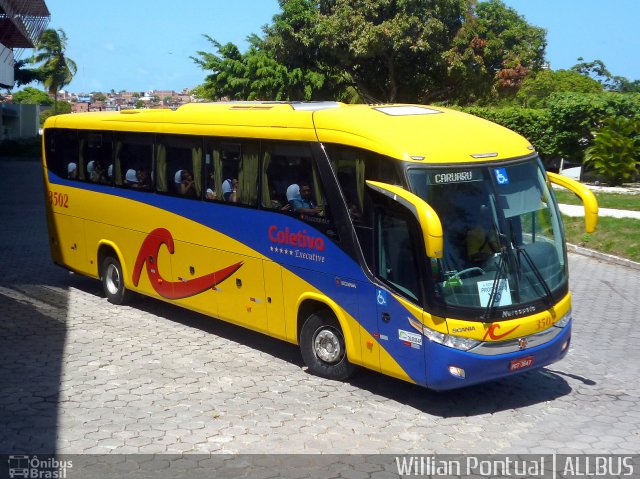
{"x": 323, "y": 349}
{"x": 113, "y": 281}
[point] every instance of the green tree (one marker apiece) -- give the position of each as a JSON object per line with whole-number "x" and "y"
{"x": 55, "y": 69}
{"x": 376, "y": 50}
{"x": 139, "y": 104}
{"x": 99, "y": 96}
{"x": 493, "y": 52}
{"x": 615, "y": 153}
{"x": 537, "y": 88}
{"x": 254, "y": 75}
{"x": 32, "y": 96}
{"x": 575, "y": 116}
{"x": 23, "y": 75}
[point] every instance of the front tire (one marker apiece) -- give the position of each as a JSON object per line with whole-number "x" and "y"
{"x": 323, "y": 348}
{"x": 113, "y": 281}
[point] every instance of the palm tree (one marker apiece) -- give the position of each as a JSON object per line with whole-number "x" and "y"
{"x": 55, "y": 70}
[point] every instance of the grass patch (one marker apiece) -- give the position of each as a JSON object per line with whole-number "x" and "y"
{"x": 618, "y": 201}
{"x": 616, "y": 236}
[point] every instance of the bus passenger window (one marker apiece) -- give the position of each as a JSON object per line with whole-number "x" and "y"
{"x": 179, "y": 165}
{"x": 133, "y": 161}
{"x": 353, "y": 167}
{"x": 397, "y": 262}
{"x": 291, "y": 183}
{"x": 62, "y": 152}
{"x": 231, "y": 172}
{"x": 95, "y": 156}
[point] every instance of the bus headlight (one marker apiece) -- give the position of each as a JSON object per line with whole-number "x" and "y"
{"x": 563, "y": 321}
{"x": 455, "y": 342}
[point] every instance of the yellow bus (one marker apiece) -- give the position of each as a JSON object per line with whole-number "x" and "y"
{"x": 416, "y": 241}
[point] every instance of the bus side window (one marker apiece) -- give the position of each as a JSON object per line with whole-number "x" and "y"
{"x": 133, "y": 154}
{"x": 55, "y": 164}
{"x": 231, "y": 171}
{"x": 352, "y": 167}
{"x": 397, "y": 261}
{"x": 283, "y": 165}
{"x": 179, "y": 165}
{"x": 62, "y": 152}
{"x": 95, "y": 156}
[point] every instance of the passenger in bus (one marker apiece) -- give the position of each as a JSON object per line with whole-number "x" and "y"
{"x": 185, "y": 184}
{"x": 230, "y": 190}
{"x": 210, "y": 192}
{"x": 300, "y": 197}
{"x": 276, "y": 204}
{"x": 96, "y": 172}
{"x": 144, "y": 180}
{"x": 72, "y": 171}
{"x": 131, "y": 178}
{"x": 482, "y": 239}
{"x": 91, "y": 168}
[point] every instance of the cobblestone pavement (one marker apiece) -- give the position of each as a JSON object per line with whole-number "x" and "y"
{"x": 79, "y": 375}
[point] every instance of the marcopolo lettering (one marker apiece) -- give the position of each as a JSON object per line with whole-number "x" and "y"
{"x": 299, "y": 239}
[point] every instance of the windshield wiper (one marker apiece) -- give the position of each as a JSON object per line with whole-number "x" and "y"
{"x": 486, "y": 316}
{"x": 548, "y": 296}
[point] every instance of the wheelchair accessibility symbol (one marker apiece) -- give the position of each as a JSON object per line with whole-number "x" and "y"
{"x": 381, "y": 297}
{"x": 501, "y": 176}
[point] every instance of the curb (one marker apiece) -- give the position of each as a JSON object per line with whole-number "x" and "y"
{"x": 572, "y": 248}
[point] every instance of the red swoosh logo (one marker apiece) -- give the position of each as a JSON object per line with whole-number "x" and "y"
{"x": 148, "y": 255}
{"x": 491, "y": 332}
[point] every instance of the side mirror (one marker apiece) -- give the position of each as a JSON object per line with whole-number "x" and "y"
{"x": 585, "y": 194}
{"x": 427, "y": 218}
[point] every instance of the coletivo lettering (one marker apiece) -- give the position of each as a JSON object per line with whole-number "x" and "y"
{"x": 299, "y": 239}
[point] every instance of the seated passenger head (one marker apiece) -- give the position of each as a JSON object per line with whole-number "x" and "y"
{"x": 293, "y": 192}
{"x": 142, "y": 175}
{"x": 305, "y": 189}
{"x": 72, "y": 170}
{"x": 131, "y": 177}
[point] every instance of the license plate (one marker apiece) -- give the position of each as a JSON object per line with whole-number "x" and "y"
{"x": 521, "y": 363}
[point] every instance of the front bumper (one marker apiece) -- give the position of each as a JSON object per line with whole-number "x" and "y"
{"x": 480, "y": 368}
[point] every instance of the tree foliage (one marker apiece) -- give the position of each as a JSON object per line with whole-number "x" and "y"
{"x": 56, "y": 69}
{"x": 615, "y": 153}
{"x": 378, "y": 50}
{"x": 494, "y": 51}
{"x": 32, "y": 96}
{"x": 567, "y": 125}
{"x": 23, "y": 75}
{"x": 537, "y": 89}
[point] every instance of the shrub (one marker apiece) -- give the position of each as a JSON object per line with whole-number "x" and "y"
{"x": 615, "y": 153}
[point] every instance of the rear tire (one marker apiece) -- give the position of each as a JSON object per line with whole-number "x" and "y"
{"x": 113, "y": 281}
{"x": 323, "y": 348}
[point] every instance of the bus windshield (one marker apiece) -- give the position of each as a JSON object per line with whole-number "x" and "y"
{"x": 503, "y": 240}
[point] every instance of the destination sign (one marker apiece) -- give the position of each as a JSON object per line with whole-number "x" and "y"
{"x": 453, "y": 176}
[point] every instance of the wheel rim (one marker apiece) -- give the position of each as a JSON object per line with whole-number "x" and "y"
{"x": 327, "y": 345}
{"x": 112, "y": 279}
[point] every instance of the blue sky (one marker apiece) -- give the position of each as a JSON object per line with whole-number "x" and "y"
{"x": 140, "y": 45}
